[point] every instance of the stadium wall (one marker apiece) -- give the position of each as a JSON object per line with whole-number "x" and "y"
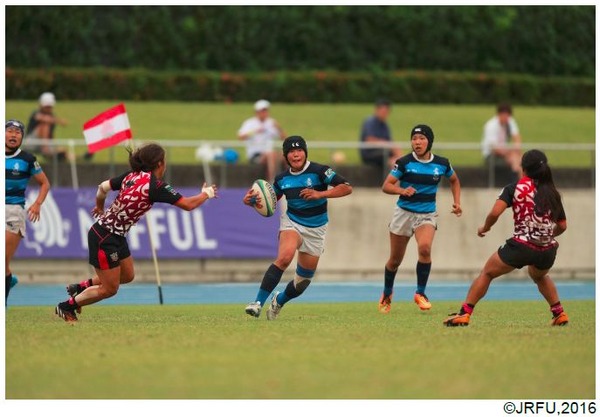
{"x": 358, "y": 246}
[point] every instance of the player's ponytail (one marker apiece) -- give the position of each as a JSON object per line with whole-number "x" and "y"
{"x": 547, "y": 198}
{"x": 146, "y": 158}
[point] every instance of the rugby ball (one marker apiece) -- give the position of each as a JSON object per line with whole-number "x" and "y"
{"x": 267, "y": 196}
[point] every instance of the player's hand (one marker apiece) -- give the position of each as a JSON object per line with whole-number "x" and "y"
{"x": 33, "y": 212}
{"x": 407, "y": 192}
{"x": 97, "y": 212}
{"x": 481, "y": 231}
{"x": 211, "y": 191}
{"x": 456, "y": 209}
{"x": 252, "y": 199}
{"x": 310, "y": 194}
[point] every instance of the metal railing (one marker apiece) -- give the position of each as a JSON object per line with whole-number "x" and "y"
{"x": 74, "y": 145}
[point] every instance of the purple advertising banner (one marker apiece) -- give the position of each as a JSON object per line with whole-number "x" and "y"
{"x": 221, "y": 228}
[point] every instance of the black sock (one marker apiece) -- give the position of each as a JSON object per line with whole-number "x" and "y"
{"x": 7, "y": 286}
{"x": 269, "y": 282}
{"x": 271, "y": 278}
{"x": 291, "y": 291}
{"x": 423, "y": 271}
{"x": 388, "y": 281}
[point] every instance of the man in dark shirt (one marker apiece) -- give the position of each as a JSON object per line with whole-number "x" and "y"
{"x": 375, "y": 130}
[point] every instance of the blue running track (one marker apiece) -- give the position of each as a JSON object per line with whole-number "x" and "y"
{"x": 242, "y": 293}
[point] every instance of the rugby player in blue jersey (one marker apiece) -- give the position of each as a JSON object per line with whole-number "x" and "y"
{"x": 415, "y": 179}
{"x": 306, "y": 186}
{"x": 20, "y": 166}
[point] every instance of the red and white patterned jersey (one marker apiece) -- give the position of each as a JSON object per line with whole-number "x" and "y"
{"x": 137, "y": 192}
{"x": 530, "y": 227}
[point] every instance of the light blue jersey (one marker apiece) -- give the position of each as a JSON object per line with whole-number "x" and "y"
{"x": 19, "y": 168}
{"x": 424, "y": 177}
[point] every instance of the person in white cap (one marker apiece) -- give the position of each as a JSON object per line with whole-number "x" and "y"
{"x": 42, "y": 123}
{"x": 260, "y": 133}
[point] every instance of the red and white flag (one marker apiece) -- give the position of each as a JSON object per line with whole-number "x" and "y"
{"x": 107, "y": 129}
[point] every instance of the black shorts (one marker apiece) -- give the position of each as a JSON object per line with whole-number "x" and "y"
{"x": 106, "y": 249}
{"x": 518, "y": 255}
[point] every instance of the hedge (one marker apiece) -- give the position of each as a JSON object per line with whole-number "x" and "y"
{"x": 299, "y": 86}
{"x": 542, "y": 40}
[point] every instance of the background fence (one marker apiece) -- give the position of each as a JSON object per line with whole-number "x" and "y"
{"x": 217, "y": 157}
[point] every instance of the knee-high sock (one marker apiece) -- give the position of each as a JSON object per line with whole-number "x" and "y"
{"x": 269, "y": 282}
{"x": 388, "y": 281}
{"x": 7, "y": 287}
{"x": 422, "y": 276}
{"x": 292, "y": 290}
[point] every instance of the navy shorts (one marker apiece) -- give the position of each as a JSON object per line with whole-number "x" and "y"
{"x": 106, "y": 249}
{"x": 518, "y": 255}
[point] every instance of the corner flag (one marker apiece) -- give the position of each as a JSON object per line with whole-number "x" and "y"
{"x": 107, "y": 129}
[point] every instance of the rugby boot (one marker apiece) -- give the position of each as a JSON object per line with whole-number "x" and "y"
{"x": 66, "y": 312}
{"x": 457, "y": 319}
{"x": 385, "y": 303}
{"x": 274, "y": 308}
{"x": 422, "y": 301}
{"x": 253, "y": 309}
{"x": 560, "y": 320}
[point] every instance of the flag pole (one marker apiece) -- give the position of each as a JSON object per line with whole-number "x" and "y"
{"x": 154, "y": 259}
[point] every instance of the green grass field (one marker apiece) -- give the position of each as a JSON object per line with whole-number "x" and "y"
{"x": 313, "y": 351}
{"x": 326, "y": 122}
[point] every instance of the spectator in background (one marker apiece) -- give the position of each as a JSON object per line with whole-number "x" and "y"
{"x": 376, "y": 130}
{"x": 41, "y": 127}
{"x": 501, "y": 145}
{"x": 260, "y": 133}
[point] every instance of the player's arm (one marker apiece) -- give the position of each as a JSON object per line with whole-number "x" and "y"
{"x": 560, "y": 227}
{"x": 192, "y": 202}
{"x": 34, "y": 210}
{"x": 391, "y": 186}
{"x": 455, "y": 189}
{"x": 339, "y": 188}
{"x": 103, "y": 188}
{"x": 561, "y": 223}
{"x": 492, "y": 217}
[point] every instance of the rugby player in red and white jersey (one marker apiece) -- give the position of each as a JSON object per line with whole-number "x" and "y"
{"x": 539, "y": 217}
{"x": 109, "y": 254}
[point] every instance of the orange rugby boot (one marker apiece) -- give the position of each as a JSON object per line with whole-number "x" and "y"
{"x": 560, "y": 320}
{"x": 457, "y": 319}
{"x": 422, "y": 301}
{"x": 385, "y": 303}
